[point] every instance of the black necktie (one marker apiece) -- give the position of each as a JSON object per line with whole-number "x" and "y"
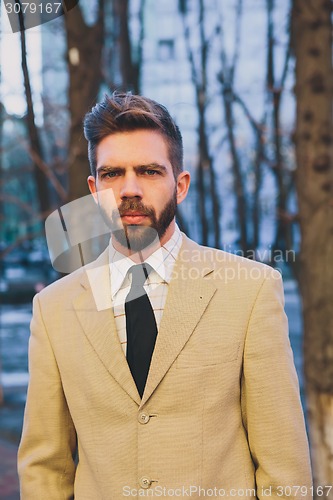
{"x": 140, "y": 326}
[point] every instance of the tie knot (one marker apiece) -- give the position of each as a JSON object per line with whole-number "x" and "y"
{"x": 140, "y": 273}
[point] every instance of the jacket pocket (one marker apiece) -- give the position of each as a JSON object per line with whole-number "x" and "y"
{"x": 208, "y": 355}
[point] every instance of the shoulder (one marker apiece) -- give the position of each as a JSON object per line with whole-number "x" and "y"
{"x": 69, "y": 286}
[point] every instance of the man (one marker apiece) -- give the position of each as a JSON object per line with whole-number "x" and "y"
{"x": 174, "y": 377}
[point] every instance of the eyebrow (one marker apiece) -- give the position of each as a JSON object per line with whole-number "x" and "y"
{"x": 136, "y": 168}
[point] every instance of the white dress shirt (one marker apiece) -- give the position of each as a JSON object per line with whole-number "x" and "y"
{"x": 156, "y": 285}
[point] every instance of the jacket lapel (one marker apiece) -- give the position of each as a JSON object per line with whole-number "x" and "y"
{"x": 188, "y": 297}
{"x": 94, "y": 310}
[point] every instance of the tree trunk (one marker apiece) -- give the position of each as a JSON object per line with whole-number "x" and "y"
{"x": 1, "y": 218}
{"x": 205, "y": 167}
{"x": 34, "y": 140}
{"x": 226, "y": 77}
{"x": 205, "y": 158}
{"x": 312, "y": 42}
{"x": 275, "y": 88}
{"x": 259, "y": 129}
{"x": 130, "y": 65}
{"x": 257, "y": 167}
{"x": 236, "y": 167}
{"x": 85, "y": 45}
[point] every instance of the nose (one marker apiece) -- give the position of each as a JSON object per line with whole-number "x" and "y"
{"x": 131, "y": 187}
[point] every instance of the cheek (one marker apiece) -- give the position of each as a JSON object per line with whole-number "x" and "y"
{"x": 161, "y": 198}
{"x": 107, "y": 197}
{"x": 108, "y": 192}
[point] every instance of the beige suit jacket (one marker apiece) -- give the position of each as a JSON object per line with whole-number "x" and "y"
{"x": 221, "y": 409}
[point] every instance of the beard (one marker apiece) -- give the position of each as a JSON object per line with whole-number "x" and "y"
{"x": 136, "y": 237}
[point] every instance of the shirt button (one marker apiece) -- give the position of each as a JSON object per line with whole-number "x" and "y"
{"x": 145, "y": 482}
{"x": 143, "y": 418}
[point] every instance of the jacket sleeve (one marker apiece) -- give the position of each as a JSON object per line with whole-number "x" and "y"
{"x": 46, "y": 463}
{"x": 272, "y": 411}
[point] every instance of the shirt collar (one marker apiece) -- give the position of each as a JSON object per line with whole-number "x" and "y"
{"x": 162, "y": 261}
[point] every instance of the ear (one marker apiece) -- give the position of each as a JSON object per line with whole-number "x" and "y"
{"x": 92, "y": 187}
{"x": 183, "y": 184}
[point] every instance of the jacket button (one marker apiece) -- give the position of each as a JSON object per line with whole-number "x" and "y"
{"x": 145, "y": 482}
{"x": 143, "y": 418}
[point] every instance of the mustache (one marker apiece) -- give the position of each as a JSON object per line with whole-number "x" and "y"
{"x": 135, "y": 205}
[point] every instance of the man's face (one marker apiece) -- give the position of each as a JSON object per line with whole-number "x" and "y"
{"x": 136, "y": 167}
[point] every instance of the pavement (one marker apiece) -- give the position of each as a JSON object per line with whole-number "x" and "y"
{"x": 11, "y": 417}
{"x": 9, "y": 484}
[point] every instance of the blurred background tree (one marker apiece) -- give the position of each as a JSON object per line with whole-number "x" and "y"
{"x": 312, "y": 42}
{"x": 250, "y": 84}
{"x": 85, "y": 44}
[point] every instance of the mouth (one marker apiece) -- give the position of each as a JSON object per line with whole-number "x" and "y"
{"x": 133, "y": 217}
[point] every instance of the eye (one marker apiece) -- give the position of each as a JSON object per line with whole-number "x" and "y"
{"x": 151, "y": 172}
{"x": 109, "y": 175}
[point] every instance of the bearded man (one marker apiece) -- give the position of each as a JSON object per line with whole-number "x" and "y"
{"x": 163, "y": 368}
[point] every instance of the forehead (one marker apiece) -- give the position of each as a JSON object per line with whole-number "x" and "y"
{"x": 131, "y": 148}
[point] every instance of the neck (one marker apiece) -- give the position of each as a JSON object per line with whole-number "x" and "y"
{"x": 143, "y": 254}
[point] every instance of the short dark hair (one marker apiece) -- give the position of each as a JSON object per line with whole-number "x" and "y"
{"x": 120, "y": 112}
